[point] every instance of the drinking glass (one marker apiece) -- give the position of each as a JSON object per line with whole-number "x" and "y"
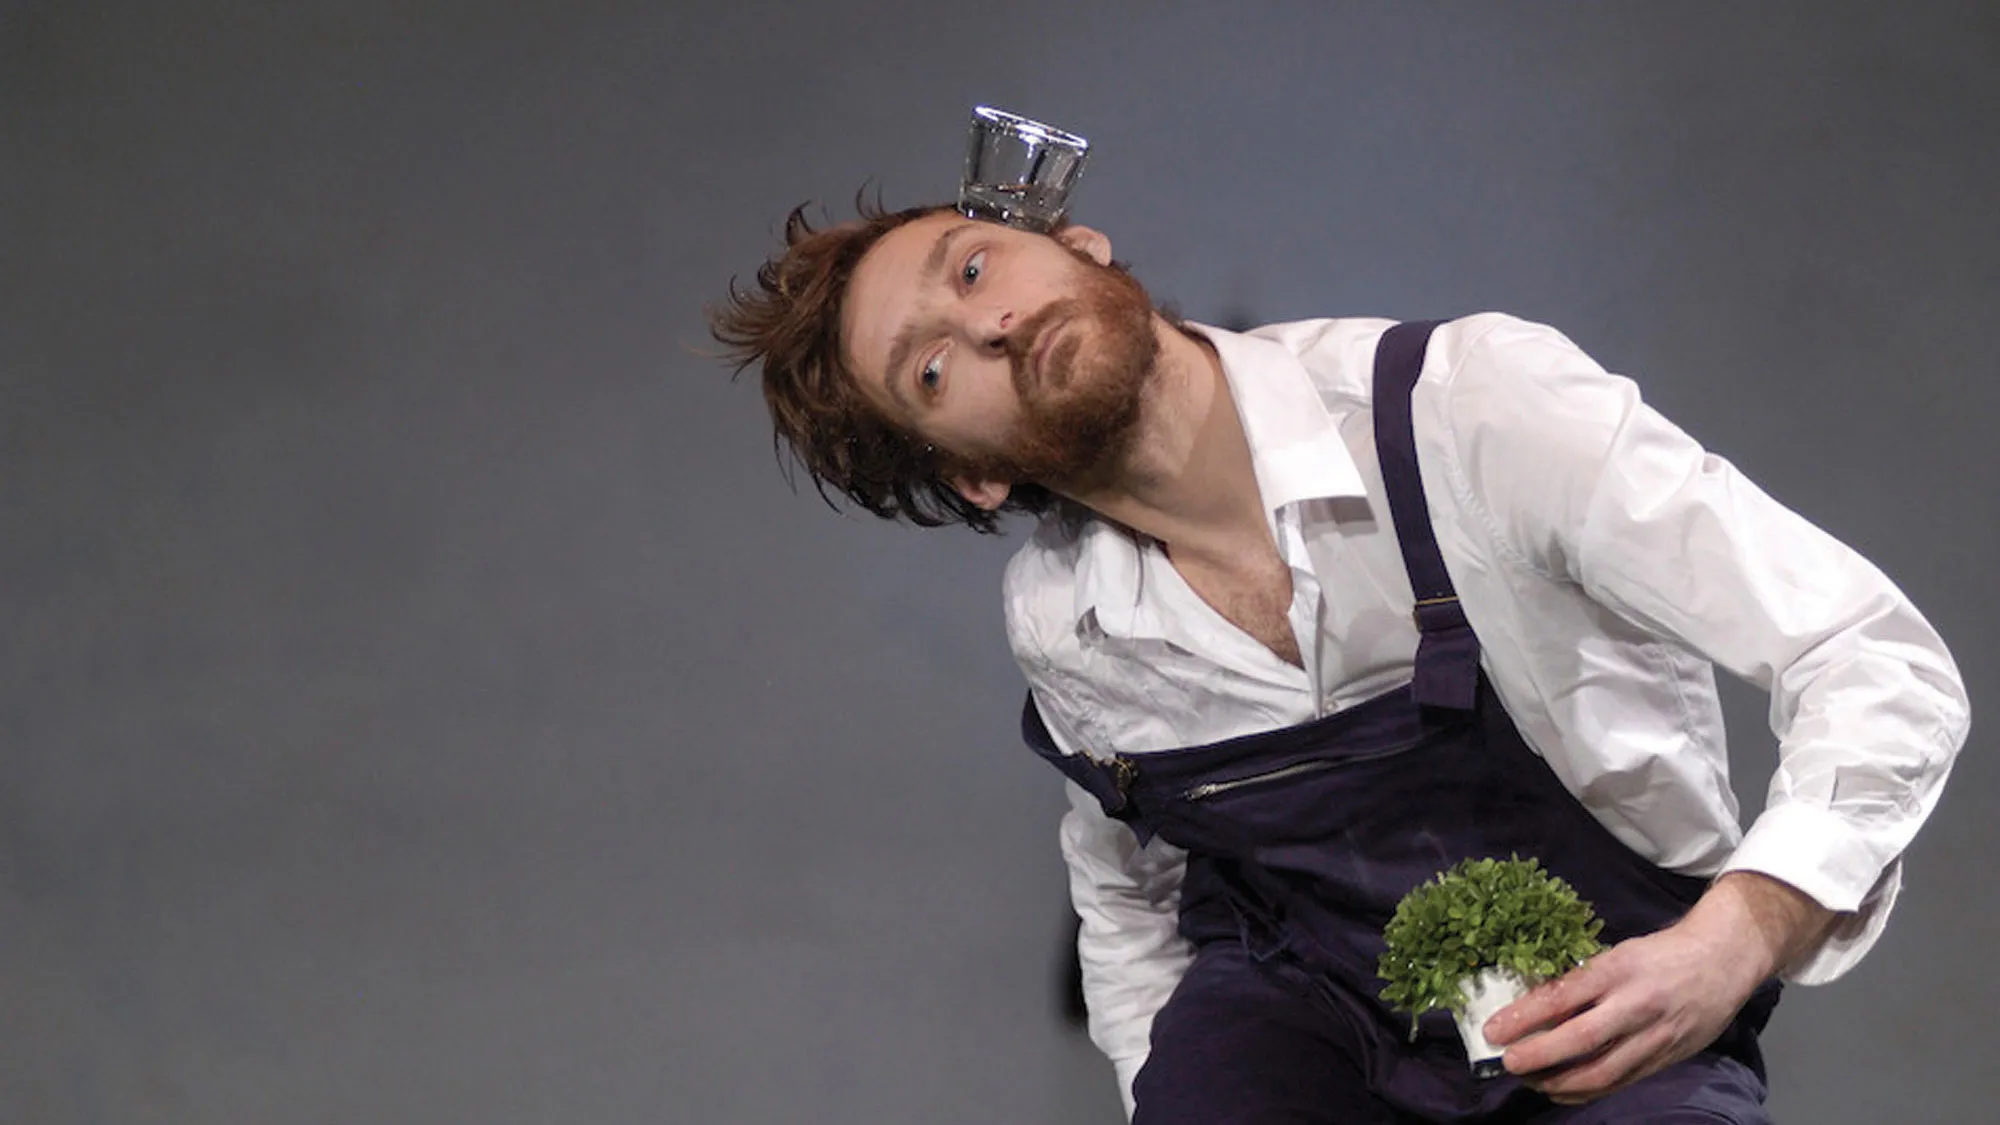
{"x": 1018, "y": 171}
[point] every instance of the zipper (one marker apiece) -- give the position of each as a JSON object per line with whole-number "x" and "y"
{"x": 1215, "y": 788}
{"x": 1209, "y": 789}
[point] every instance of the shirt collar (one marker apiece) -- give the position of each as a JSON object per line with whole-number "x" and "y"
{"x": 1110, "y": 579}
{"x": 1295, "y": 450}
{"x": 1295, "y": 445}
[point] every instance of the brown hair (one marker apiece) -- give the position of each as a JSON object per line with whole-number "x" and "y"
{"x": 790, "y": 324}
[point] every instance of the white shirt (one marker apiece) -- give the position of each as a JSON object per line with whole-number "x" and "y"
{"x": 1604, "y": 560}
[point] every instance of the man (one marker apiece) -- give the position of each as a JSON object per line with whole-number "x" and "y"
{"x": 1317, "y": 610}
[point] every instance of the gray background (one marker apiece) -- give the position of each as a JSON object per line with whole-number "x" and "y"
{"x": 424, "y": 701}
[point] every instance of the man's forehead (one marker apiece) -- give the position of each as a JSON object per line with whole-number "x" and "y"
{"x": 898, "y": 256}
{"x": 885, "y": 281}
{"x": 913, "y": 239}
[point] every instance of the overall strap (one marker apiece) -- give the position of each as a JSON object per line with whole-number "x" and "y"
{"x": 1097, "y": 778}
{"x": 1447, "y": 672}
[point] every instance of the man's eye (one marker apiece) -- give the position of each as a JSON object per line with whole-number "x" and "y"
{"x": 932, "y": 373}
{"x": 974, "y": 266}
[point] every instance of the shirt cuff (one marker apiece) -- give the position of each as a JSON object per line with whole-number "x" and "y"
{"x": 1823, "y": 857}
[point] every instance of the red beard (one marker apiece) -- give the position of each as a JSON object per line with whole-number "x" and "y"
{"x": 1081, "y": 409}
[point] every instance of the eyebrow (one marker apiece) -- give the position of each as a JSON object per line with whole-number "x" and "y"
{"x": 906, "y": 338}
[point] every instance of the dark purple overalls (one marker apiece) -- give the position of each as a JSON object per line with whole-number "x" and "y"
{"x": 1301, "y": 841}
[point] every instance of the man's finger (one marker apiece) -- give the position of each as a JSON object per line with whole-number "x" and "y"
{"x": 1625, "y": 1063}
{"x": 1548, "y": 1004}
{"x": 1579, "y": 1037}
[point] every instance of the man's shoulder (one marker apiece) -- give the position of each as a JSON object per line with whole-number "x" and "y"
{"x": 1339, "y": 352}
{"x": 1038, "y": 591}
{"x": 1050, "y": 552}
{"x": 1321, "y": 333}
{"x": 1471, "y": 364}
{"x": 1334, "y": 335}
{"x": 1493, "y": 335}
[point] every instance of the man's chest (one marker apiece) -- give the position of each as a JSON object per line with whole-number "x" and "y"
{"x": 1207, "y": 662}
{"x": 1255, "y": 599}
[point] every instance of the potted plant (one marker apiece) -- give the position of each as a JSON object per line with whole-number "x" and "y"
{"x": 1475, "y": 938}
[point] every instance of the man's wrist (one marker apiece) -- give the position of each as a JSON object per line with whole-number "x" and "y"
{"x": 1770, "y": 923}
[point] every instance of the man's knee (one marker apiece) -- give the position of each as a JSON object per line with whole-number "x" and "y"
{"x": 1238, "y": 1044}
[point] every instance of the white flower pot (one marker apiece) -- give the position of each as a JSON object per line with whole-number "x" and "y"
{"x": 1485, "y": 993}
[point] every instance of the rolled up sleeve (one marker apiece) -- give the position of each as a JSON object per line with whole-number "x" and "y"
{"x": 1868, "y": 706}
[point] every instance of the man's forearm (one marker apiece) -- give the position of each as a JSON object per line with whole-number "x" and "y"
{"x": 1772, "y": 922}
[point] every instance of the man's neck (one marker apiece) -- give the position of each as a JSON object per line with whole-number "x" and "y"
{"x": 1187, "y": 478}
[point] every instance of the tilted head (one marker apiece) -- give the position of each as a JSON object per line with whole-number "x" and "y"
{"x": 941, "y": 369}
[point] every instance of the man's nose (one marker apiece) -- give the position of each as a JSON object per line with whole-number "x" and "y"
{"x": 990, "y": 327}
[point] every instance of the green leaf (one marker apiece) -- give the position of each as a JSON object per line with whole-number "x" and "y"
{"x": 1482, "y": 912}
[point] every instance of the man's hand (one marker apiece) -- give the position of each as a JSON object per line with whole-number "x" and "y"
{"x": 1650, "y": 1002}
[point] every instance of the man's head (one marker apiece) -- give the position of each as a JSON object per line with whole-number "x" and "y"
{"x": 942, "y": 369}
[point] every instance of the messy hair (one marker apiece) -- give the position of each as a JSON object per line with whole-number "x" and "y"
{"x": 789, "y": 323}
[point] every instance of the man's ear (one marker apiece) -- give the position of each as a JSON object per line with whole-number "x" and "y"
{"x": 987, "y": 495}
{"x": 1088, "y": 240}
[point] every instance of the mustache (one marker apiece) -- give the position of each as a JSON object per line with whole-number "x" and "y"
{"x": 1019, "y": 345}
